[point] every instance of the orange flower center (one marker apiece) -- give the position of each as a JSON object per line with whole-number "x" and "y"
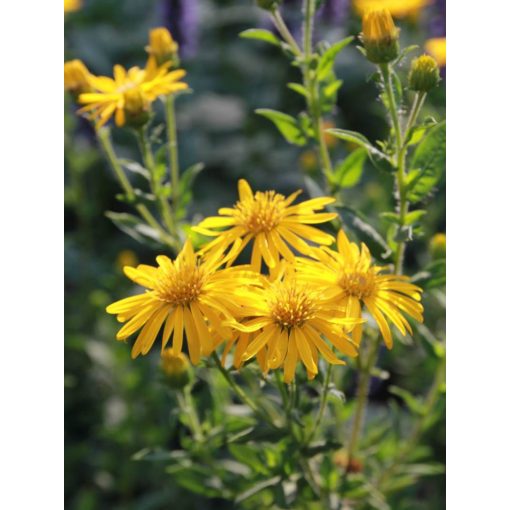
{"x": 180, "y": 286}
{"x": 263, "y": 213}
{"x": 358, "y": 284}
{"x": 291, "y": 307}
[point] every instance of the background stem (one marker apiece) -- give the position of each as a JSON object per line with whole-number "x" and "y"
{"x": 173, "y": 148}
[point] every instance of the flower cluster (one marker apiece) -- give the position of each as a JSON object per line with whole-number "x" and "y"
{"x": 129, "y": 94}
{"x": 309, "y": 303}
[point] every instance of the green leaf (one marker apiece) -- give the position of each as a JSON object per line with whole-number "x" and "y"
{"x": 327, "y": 60}
{"x": 414, "y": 216}
{"x": 404, "y": 53}
{"x": 261, "y": 35}
{"x": 391, "y": 217}
{"x": 433, "y": 276}
{"x": 297, "y": 87}
{"x": 410, "y": 400}
{"x": 134, "y": 227}
{"x": 331, "y": 90}
{"x": 189, "y": 175}
{"x": 356, "y": 222}
{"x": 258, "y": 487}
{"x": 135, "y": 167}
{"x": 379, "y": 159}
{"x": 428, "y": 164}
{"x": 348, "y": 173}
{"x": 288, "y": 126}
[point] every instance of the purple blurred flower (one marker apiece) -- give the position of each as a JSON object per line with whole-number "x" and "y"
{"x": 438, "y": 21}
{"x": 334, "y": 12}
{"x": 181, "y": 18}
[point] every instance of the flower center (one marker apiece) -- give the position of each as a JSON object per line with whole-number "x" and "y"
{"x": 358, "y": 284}
{"x": 290, "y": 306}
{"x": 180, "y": 286}
{"x": 263, "y": 213}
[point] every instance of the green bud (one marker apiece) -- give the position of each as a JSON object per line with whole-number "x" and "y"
{"x": 268, "y": 5}
{"x": 424, "y": 74}
{"x": 438, "y": 246}
{"x": 176, "y": 369}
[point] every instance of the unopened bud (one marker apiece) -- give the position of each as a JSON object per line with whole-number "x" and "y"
{"x": 163, "y": 47}
{"x": 424, "y": 74}
{"x": 268, "y": 5}
{"x": 438, "y": 246}
{"x": 380, "y": 36}
{"x": 176, "y": 369}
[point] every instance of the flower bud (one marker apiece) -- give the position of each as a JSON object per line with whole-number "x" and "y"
{"x": 268, "y": 5}
{"x": 76, "y": 77}
{"x": 424, "y": 74}
{"x": 175, "y": 368}
{"x": 136, "y": 108}
{"x": 380, "y": 36}
{"x": 163, "y": 47}
{"x": 438, "y": 246}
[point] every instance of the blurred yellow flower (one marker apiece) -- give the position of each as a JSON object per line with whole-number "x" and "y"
{"x": 331, "y": 141}
{"x": 126, "y": 258}
{"x": 112, "y": 94}
{"x": 309, "y": 161}
{"x": 175, "y": 368}
{"x": 397, "y": 8}
{"x": 271, "y": 222}
{"x": 161, "y": 45}
{"x": 187, "y": 295}
{"x": 286, "y": 320}
{"x": 438, "y": 246}
{"x": 72, "y": 5}
{"x": 76, "y": 77}
{"x": 359, "y": 283}
{"x": 436, "y": 47}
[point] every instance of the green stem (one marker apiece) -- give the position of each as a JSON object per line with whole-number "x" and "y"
{"x": 285, "y": 32}
{"x": 310, "y": 83}
{"x": 103, "y": 135}
{"x": 173, "y": 148}
{"x": 392, "y": 104}
{"x": 322, "y": 406}
{"x": 240, "y": 392}
{"x": 364, "y": 372}
{"x": 418, "y": 101}
{"x": 187, "y": 406}
{"x": 430, "y": 401}
{"x": 148, "y": 159}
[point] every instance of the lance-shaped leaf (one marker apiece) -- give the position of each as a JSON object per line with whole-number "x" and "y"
{"x": 288, "y": 126}
{"x": 261, "y": 35}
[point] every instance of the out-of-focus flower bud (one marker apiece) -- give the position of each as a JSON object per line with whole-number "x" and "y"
{"x": 126, "y": 258}
{"x": 268, "y": 5}
{"x": 136, "y": 107}
{"x": 380, "y": 36}
{"x": 309, "y": 161}
{"x": 176, "y": 369}
{"x": 76, "y": 77}
{"x": 163, "y": 47}
{"x": 341, "y": 459}
{"x": 424, "y": 74}
{"x": 438, "y": 246}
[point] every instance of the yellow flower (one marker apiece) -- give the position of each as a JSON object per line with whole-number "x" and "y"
{"x": 397, "y": 8}
{"x": 126, "y": 258}
{"x": 380, "y": 36}
{"x": 359, "y": 283}
{"x": 271, "y": 222}
{"x": 438, "y": 246}
{"x": 72, "y": 5}
{"x": 309, "y": 161}
{"x": 424, "y": 74}
{"x": 161, "y": 45}
{"x": 436, "y": 47}
{"x": 287, "y": 320}
{"x": 112, "y": 94}
{"x": 176, "y": 368}
{"x": 76, "y": 77}
{"x": 187, "y": 295}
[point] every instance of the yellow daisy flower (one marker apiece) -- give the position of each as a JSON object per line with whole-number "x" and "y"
{"x": 286, "y": 322}
{"x": 436, "y": 47}
{"x": 76, "y": 77}
{"x": 72, "y": 5}
{"x": 186, "y": 295}
{"x": 271, "y": 222}
{"x": 358, "y": 284}
{"x": 135, "y": 86}
{"x": 397, "y": 8}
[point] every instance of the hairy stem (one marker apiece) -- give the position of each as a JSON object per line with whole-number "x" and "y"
{"x": 103, "y": 135}
{"x": 173, "y": 148}
{"x": 322, "y": 405}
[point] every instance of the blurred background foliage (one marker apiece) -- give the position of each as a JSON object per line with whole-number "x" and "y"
{"x": 115, "y": 407}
